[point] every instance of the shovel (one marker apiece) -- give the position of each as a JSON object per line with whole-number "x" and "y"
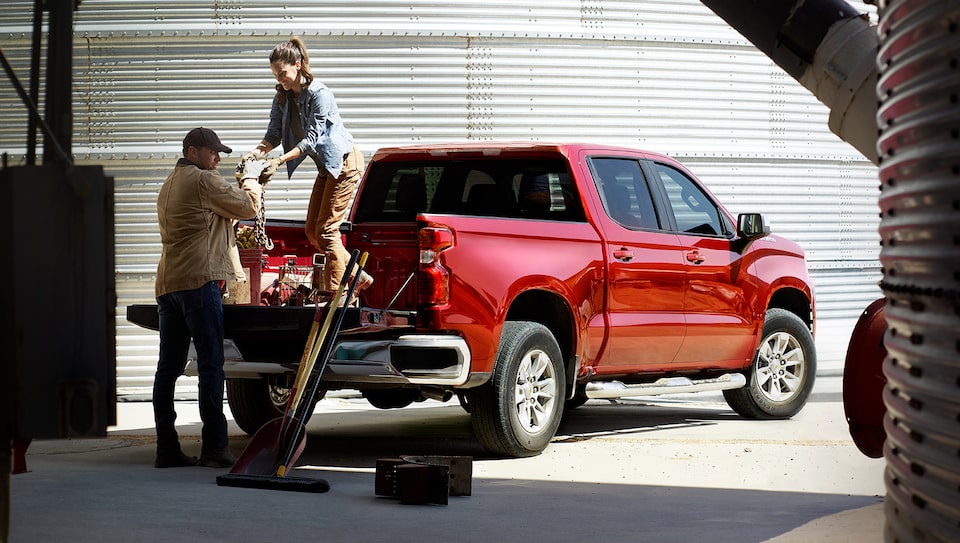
{"x": 323, "y": 351}
{"x": 279, "y": 442}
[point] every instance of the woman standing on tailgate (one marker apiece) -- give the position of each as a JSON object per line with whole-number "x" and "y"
{"x": 306, "y": 120}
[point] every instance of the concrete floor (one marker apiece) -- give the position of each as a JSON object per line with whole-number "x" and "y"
{"x": 674, "y": 469}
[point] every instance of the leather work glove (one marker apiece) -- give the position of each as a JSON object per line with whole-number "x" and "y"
{"x": 252, "y": 168}
{"x": 269, "y": 170}
{"x": 252, "y": 155}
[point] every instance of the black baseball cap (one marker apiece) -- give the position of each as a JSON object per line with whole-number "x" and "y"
{"x": 204, "y": 137}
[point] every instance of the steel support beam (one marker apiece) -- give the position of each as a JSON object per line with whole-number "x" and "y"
{"x": 58, "y": 109}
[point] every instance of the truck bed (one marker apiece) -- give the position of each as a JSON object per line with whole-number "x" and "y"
{"x": 261, "y": 333}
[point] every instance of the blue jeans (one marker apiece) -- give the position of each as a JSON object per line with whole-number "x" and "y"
{"x": 186, "y": 314}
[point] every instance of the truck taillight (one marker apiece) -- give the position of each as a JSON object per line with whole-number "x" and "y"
{"x": 434, "y": 279}
{"x": 433, "y": 241}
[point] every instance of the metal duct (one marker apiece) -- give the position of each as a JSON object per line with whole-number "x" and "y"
{"x": 827, "y": 47}
{"x": 919, "y": 145}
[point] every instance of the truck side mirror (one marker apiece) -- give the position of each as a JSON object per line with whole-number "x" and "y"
{"x": 750, "y": 225}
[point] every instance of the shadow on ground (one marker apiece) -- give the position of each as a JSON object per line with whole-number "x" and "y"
{"x": 116, "y": 495}
{"x": 357, "y": 439}
{"x": 92, "y": 491}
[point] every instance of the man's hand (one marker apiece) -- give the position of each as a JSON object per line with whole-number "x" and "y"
{"x": 256, "y": 154}
{"x": 252, "y": 168}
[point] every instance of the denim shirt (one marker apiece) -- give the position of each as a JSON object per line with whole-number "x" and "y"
{"x": 325, "y": 138}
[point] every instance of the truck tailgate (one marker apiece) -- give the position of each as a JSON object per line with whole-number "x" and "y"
{"x": 262, "y": 333}
{"x": 393, "y": 256}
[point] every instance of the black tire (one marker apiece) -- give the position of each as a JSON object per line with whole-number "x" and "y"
{"x": 391, "y": 398}
{"x": 464, "y": 401}
{"x": 781, "y": 377}
{"x": 255, "y": 402}
{"x": 528, "y": 363}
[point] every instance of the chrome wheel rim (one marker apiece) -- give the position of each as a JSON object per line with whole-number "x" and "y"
{"x": 536, "y": 391}
{"x": 279, "y": 396}
{"x": 780, "y": 367}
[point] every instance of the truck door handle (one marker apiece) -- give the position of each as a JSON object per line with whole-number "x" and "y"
{"x": 695, "y": 257}
{"x": 623, "y": 254}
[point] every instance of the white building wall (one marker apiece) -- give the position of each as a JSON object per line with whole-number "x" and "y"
{"x": 664, "y": 75}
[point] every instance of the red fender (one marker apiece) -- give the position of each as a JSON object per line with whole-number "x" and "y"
{"x": 863, "y": 381}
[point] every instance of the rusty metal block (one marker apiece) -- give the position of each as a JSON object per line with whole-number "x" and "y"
{"x": 417, "y": 480}
{"x": 386, "y": 479}
{"x": 419, "y": 484}
{"x": 460, "y": 470}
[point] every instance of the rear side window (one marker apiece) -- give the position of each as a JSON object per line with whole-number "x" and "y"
{"x": 529, "y": 188}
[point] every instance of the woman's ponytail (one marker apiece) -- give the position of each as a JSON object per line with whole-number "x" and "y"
{"x": 304, "y": 60}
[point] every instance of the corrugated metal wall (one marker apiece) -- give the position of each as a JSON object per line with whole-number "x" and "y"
{"x": 665, "y": 75}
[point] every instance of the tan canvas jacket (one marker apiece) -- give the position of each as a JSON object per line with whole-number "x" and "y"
{"x": 196, "y": 211}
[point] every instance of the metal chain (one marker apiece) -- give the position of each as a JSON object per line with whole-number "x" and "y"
{"x": 260, "y": 227}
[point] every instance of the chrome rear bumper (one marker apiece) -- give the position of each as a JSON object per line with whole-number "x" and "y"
{"x": 441, "y": 360}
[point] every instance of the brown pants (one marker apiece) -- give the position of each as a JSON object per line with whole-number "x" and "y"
{"x": 328, "y": 207}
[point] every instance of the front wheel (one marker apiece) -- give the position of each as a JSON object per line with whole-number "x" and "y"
{"x": 783, "y": 370}
{"x": 518, "y": 411}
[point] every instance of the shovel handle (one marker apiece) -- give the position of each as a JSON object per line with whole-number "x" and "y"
{"x": 309, "y": 351}
{"x": 302, "y": 374}
{"x": 325, "y": 342}
{"x": 336, "y": 303}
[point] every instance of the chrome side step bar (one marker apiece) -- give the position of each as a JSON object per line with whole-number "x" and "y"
{"x": 665, "y": 385}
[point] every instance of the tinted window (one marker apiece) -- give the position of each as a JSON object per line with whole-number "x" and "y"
{"x": 695, "y": 213}
{"x": 624, "y": 192}
{"x": 532, "y": 188}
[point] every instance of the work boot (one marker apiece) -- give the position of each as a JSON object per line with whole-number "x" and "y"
{"x": 364, "y": 283}
{"x": 222, "y": 459}
{"x": 175, "y": 460}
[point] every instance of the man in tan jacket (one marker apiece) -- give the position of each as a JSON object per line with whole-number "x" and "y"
{"x": 196, "y": 210}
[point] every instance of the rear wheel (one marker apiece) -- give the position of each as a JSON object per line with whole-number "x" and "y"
{"x": 783, "y": 370}
{"x": 518, "y": 411}
{"x": 254, "y": 402}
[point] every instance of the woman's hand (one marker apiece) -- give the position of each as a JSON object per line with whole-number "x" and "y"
{"x": 262, "y": 149}
{"x": 252, "y": 155}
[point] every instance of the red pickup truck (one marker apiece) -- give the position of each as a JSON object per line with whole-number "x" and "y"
{"x": 526, "y": 278}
